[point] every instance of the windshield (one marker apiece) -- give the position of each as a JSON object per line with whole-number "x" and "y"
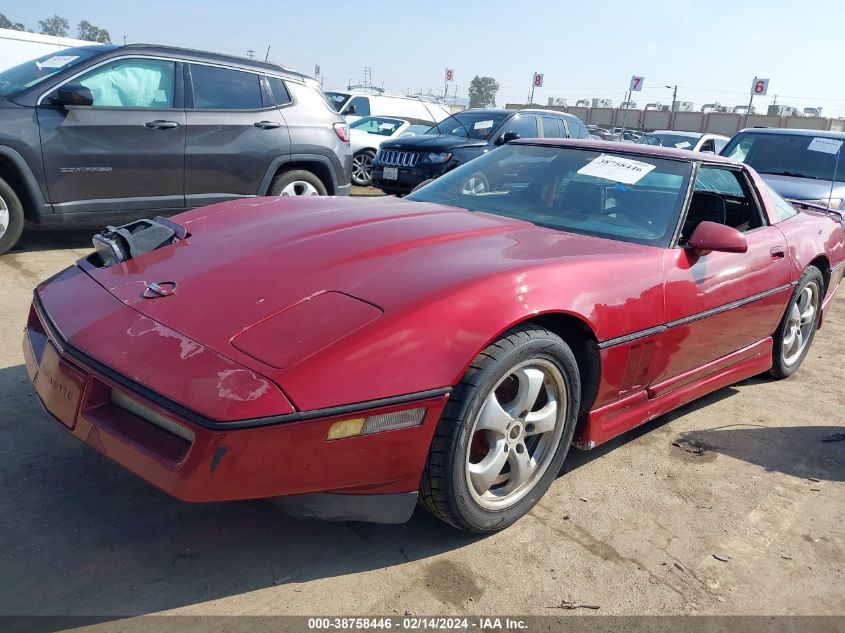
{"x": 475, "y": 125}
{"x": 382, "y": 126}
{"x": 679, "y": 141}
{"x": 613, "y": 195}
{"x": 337, "y": 99}
{"x": 795, "y": 155}
{"x": 35, "y": 71}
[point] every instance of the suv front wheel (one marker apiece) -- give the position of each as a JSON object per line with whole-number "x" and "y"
{"x": 11, "y": 217}
{"x": 297, "y": 182}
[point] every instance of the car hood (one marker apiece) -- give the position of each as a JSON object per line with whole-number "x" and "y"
{"x": 364, "y": 259}
{"x": 432, "y": 142}
{"x": 803, "y": 188}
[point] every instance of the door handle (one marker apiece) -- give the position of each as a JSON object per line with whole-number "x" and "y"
{"x": 777, "y": 252}
{"x": 161, "y": 125}
{"x": 267, "y": 125}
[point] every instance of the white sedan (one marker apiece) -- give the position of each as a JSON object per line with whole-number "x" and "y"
{"x": 369, "y": 132}
{"x": 693, "y": 141}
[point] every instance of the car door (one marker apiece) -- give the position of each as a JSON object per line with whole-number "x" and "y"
{"x": 126, "y": 151}
{"x": 721, "y": 306}
{"x": 235, "y": 134}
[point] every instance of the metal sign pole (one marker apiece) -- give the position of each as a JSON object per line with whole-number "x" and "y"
{"x": 748, "y": 112}
{"x": 625, "y": 118}
{"x": 531, "y": 98}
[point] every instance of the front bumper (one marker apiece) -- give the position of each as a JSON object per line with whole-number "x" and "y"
{"x": 407, "y": 177}
{"x": 195, "y": 462}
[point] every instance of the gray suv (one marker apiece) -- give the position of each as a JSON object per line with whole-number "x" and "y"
{"x": 101, "y": 134}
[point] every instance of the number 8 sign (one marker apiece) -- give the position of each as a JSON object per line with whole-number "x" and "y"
{"x": 538, "y": 80}
{"x": 759, "y": 87}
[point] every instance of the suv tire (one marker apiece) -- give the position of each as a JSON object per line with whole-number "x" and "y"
{"x": 297, "y": 182}
{"x": 11, "y": 217}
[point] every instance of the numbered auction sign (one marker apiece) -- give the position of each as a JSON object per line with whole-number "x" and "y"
{"x": 636, "y": 84}
{"x": 538, "y": 80}
{"x": 450, "y": 74}
{"x": 759, "y": 87}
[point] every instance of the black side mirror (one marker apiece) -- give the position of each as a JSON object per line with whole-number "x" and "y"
{"x": 72, "y": 95}
{"x": 507, "y": 137}
{"x": 350, "y": 110}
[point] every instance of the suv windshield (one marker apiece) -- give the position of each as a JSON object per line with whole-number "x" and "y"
{"x": 475, "y": 125}
{"x": 681, "y": 141}
{"x": 788, "y": 154}
{"x": 35, "y": 71}
{"x": 337, "y": 99}
{"x": 613, "y": 195}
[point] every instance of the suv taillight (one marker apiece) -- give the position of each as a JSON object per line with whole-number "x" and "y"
{"x": 342, "y": 131}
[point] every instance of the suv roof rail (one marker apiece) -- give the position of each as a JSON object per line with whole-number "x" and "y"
{"x": 212, "y": 55}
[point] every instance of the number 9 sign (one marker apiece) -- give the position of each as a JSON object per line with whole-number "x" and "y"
{"x": 759, "y": 87}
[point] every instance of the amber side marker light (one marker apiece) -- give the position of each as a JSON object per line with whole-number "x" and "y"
{"x": 376, "y": 423}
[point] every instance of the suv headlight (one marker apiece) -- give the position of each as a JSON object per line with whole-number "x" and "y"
{"x": 436, "y": 158}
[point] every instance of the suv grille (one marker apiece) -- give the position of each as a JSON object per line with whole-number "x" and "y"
{"x": 397, "y": 157}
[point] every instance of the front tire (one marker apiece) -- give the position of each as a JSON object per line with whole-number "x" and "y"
{"x": 504, "y": 432}
{"x": 297, "y": 182}
{"x": 11, "y": 217}
{"x": 362, "y": 168}
{"x": 797, "y": 329}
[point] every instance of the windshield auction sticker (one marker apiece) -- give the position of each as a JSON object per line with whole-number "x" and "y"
{"x": 616, "y": 168}
{"x": 826, "y": 145}
{"x": 57, "y": 61}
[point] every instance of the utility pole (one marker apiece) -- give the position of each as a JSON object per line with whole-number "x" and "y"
{"x": 674, "y": 95}
{"x": 625, "y": 118}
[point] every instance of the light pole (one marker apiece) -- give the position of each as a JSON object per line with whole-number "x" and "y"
{"x": 674, "y": 90}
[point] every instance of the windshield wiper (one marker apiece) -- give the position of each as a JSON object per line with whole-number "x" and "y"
{"x": 793, "y": 174}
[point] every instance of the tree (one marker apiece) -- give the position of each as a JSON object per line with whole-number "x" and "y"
{"x": 56, "y": 25}
{"x": 91, "y": 33}
{"x": 6, "y": 23}
{"x": 482, "y": 92}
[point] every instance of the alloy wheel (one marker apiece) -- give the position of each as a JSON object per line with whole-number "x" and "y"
{"x": 800, "y": 323}
{"x": 4, "y": 217}
{"x": 362, "y": 168}
{"x": 516, "y": 434}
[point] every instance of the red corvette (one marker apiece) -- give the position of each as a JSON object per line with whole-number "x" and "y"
{"x": 355, "y": 357}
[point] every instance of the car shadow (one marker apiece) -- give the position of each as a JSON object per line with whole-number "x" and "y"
{"x": 44, "y": 240}
{"x": 82, "y": 536}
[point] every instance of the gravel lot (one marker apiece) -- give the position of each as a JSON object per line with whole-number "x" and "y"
{"x": 732, "y": 505}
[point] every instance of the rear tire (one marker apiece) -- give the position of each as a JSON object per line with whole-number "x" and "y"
{"x": 798, "y": 326}
{"x": 297, "y": 182}
{"x": 509, "y": 422}
{"x": 11, "y": 217}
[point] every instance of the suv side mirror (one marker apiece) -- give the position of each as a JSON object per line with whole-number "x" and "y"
{"x": 350, "y": 109}
{"x": 711, "y": 236}
{"x": 72, "y": 95}
{"x": 507, "y": 137}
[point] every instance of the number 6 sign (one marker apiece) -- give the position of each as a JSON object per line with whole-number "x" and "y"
{"x": 636, "y": 84}
{"x": 759, "y": 87}
{"x": 538, "y": 80}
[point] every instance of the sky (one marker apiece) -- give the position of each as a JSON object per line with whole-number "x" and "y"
{"x": 711, "y": 50}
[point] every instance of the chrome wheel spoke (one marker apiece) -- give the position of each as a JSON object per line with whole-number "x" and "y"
{"x": 530, "y": 382}
{"x": 300, "y": 188}
{"x": 484, "y": 473}
{"x": 4, "y": 217}
{"x": 800, "y": 323}
{"x": 493, "y": 417}
{"x": 521, "y": 466}
{"x": 541, "y": 421}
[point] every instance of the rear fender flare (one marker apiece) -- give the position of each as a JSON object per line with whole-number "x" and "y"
{"x": 280, "y": 161}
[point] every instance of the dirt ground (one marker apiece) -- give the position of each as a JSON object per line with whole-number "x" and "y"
{"x": 732, "y": 505}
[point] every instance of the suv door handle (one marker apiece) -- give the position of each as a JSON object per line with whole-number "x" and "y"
{"x": 777, "y": 252}
{"x": 267, "y": 125}
{"x": 161, "y": 125}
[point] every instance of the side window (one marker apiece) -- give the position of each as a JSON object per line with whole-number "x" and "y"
{"x": 707, "y": 146}
{"x": 724, "y": 195}
{"x": 225, "y": 89}
{"x": 361, "y": 106}
{"x": 783, "y": 209}
{"x": 720, "y": 145}
{"x": 132, "y": 83}
{"x": 552, "y": 128}
{"x": 280, "y": 92}
{"x": 525, "y": 125}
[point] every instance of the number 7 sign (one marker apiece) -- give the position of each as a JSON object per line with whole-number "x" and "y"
{"x": 636, "y": 84}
